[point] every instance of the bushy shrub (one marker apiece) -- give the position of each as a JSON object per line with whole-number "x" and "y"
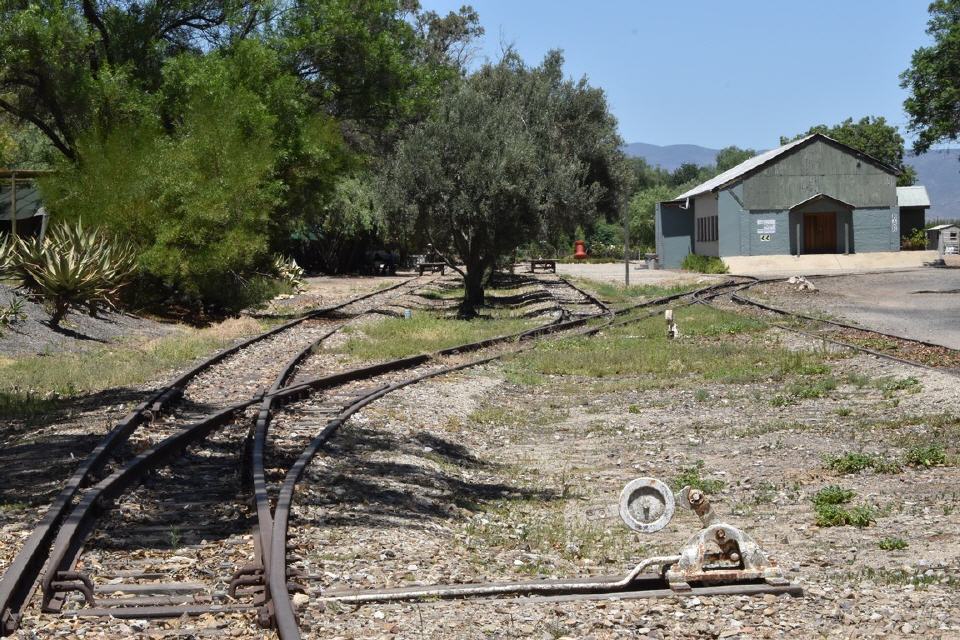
{"x": 704, "y": 264}
{"x": 915, "y": 241}
{"x": 71, "y": 268}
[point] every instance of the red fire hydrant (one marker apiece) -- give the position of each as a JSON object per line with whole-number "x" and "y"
{"x": 579, "y": 250}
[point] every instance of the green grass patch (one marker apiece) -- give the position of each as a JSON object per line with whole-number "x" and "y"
{"x": 716, "y": 345}
{"x": 929, "y": 455}
{"x": 425, "y": 332}
{"x": 692, "y": 477}
{"x": 892, "y": 544}
{"x": 616, "y": 293}
{"x": 704, "y": 264}
{"x": 34, "y": 386}
{"x": 829, "y": 509}
{"x": 854, "y": 462}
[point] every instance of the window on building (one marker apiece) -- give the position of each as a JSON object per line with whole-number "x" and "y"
{"x": 708, "y": 229}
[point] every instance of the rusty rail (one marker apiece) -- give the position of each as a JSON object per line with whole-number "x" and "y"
{"x": 20, "y": 577}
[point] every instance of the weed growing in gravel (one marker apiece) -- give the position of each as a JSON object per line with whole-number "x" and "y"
{"x": 856, "y": 461}
{"x": 829, "y": 511}
{"x": 832, "y": 495}
{"x": 892, "y": 544}
{"x": 693, "y": 477}
{"x": 843, "y": 412}
{"x": 701, "y": 395}
{"x": 931, "y": 455}
{"x": 810, "y": 390}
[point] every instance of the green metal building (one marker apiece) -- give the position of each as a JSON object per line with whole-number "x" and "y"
{"x": 813, "y": 195}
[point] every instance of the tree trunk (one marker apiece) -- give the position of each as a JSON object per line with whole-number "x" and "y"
{"x": 473, "y": 297}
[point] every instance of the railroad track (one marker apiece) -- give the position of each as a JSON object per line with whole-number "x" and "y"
{"x": 892, "y": 347}
{"x": 147, "y": 511}
{"x": 205, "y": 388}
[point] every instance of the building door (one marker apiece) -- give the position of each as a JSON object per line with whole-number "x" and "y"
{"x": 820, "y": 232}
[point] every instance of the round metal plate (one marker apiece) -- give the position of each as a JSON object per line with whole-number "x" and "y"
{"x": 646, "y": 505}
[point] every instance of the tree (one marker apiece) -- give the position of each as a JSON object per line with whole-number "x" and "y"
{"x": 933, "y": 80}
{"x": 642, "y": 211}
{"x": 511, "y": 155}
{"x": 872, "y": 136}
{"x": 378, "y": 64}
{"x": 729, "y": 157}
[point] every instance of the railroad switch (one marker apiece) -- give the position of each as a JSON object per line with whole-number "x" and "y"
{"x": 720, "y": 559}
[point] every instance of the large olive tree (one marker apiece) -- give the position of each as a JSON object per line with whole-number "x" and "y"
{"x": 512, "y": 154}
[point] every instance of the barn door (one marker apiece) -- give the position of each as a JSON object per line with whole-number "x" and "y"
{"x": 820, "y": 232}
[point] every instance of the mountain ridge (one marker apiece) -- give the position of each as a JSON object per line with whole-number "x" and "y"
{"x": 937, "y": 170}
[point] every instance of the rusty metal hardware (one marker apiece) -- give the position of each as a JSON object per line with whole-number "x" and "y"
{"x": 719, "y": 560}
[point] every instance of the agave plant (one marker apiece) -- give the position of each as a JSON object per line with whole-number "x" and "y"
{"x": 73, "y": 268}
{"x": 289, "y": 271}
{"x": 7, "y": 255}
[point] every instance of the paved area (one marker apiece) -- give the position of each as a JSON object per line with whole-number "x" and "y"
{"x": 772, "y": 266}
{"x": 923, "y": 304}
{"x": 614, "y": 272}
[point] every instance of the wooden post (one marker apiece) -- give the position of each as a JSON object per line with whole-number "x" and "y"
{"x": 13, "y": 205}
{"x": 799, "y": 239}
{"x": 846, "y": 238}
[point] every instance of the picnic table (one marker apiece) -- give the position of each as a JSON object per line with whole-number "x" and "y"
{"x": 432, "y": 267}
{"x": 545, "y": 265}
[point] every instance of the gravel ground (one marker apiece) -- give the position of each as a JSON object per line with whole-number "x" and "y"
{"x": 32, "y": 335}
{"x": 472, "y": 477}
{"x": 887, "y": 302}
{"x": 419, "y": 490}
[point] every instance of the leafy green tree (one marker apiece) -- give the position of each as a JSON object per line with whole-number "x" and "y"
{"x": 511, "y": 155}
{"x": 642, "y": 210}
{"x": 199, "y": 200}
{"x": 933, "y": 80}
{"x": 377, "y": 64}
{"x": 872, "y": 136}
{"x": 686, "y": 172}
{"x": 729, "y": 157}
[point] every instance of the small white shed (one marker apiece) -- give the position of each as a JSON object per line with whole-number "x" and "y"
{"x": 945, "y": 238}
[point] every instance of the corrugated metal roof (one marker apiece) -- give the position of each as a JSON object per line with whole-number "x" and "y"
{"x": 941, "y": 227}
{"x": 754, "y": 163}
{"x": 915, "y": 196}
{"x": 744, "y": 167}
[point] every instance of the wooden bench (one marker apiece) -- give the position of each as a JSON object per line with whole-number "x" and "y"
{"x": 432, "y": 267}
{"x": 544, "y": 265}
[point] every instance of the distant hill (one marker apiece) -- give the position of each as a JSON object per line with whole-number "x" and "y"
{"x": 938, "y": 171}
{"x": 671, "y": 156}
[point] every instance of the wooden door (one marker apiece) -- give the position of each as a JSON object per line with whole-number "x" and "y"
{"x": 820, "y": 232}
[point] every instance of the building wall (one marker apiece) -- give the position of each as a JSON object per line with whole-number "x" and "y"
{"x": 705, "y": 206}
{"x": 877, "y": 229}
{"x": 732, "y": 221}
{"x": 819, "y": 168}
{"x": 675, "y": 228}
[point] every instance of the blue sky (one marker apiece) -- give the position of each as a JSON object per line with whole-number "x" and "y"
{"x": 718, "y": 73}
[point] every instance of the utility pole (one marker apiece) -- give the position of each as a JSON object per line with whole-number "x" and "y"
{"x": 626, "y": 245}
